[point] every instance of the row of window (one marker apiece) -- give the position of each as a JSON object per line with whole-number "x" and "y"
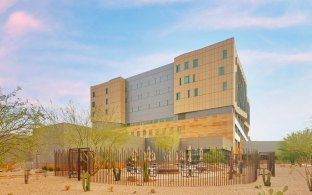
{"x": 140, "y": 96}
{"x": 157, "y": 132}
{"x": 106, "y": 92}
{"x": 149, "y": 106}
{"x": 178, "y": 94}
{"x": 140, "y": 85}
{"x": 186, "y": 65}
{"x": 187, "y": 79}
{"x": 93, "y": 103}
{"x": 196, "y": 63}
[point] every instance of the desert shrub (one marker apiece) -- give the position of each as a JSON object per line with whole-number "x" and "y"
{"x": 67, "y": 187}
{"x": 44, "y": 168}
{"x": 111, "y": 188}
{"x": 50, "y": 169}
{"x": 214, "y": 156}
{"x": 153, "y": 191}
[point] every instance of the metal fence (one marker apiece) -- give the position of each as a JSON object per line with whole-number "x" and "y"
{"x": 189, "y": 167}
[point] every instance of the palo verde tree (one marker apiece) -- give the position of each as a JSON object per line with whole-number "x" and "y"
{"x": 296, "y": 146}
{"x": 81, "y": 133}
{"x": 17, "y": 119}
{"x": 167, "y": 142}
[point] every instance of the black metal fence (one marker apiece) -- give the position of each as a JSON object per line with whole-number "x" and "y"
{"x": 189, "y": 167}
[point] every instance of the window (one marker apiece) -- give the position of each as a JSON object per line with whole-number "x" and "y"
{"x": 188, "y": 93}
{"x": 93, "y": 104}
{"x": 221, "y": 70}
{"x": 186, "y": 64}
{"x": 158, "y": 104}
{"x": 149, "y": 106}
{"x": 180, "y": 81}
{"x": 186, "y": 79}
{"x": 138, "y": 108}
{"x": 196, "y": 92}
{"x": 224, "y": 54}
{"x": 106, "y": 90}
{"x": 138, "y": 133}
{"x": 178, "y": 68}
{"x": 106, "y": 101}
{"x": 194, "y": 78}
{"x": 150, "y": 132}
{"x": 106, "y": 111}
{"x": 178, "y": 96}
{"x": 144, "y": 132}
{"x": 195, "y": 63}
{"x": 167, "y": 102}
{"x": 225, "y": 86}
{"x": 93, "y": 94}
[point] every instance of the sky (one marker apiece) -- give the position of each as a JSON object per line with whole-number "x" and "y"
{"x": 56, "y": 49}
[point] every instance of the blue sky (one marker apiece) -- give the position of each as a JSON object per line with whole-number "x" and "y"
{"x": 55, "y": 50}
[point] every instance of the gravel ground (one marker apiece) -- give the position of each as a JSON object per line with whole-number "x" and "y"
{"x": 13, "y": 183}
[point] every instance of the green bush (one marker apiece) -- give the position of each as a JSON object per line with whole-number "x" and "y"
{"x": 50, "y": 169}
{"x": 44, "y": 168}
{"x": 214, "y": 156}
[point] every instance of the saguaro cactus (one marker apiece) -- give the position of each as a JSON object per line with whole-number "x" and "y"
{"x": 145, "y": 172}
{"x": 117, "y": 173}
{"x": 85, "y": 181}
{"x": 266, "y": 177}
{"x": 26, "y": 176}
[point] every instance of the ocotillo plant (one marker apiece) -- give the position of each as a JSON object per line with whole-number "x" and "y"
{"x": 85, "y": 181}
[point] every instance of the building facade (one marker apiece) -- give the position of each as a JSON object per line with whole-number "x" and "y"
{"x": 203, "y": 93}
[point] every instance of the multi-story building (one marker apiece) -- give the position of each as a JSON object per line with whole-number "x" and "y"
{"x": 203, "y": 93}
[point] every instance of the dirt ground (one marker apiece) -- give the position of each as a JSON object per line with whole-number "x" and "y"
{"x": 13, "y": 183}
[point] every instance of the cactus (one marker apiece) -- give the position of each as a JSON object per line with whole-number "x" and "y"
{"x": 145, "y": 172}
{"x": 117, "y": 174}
{"x": 85, "y": 181}
{"x": 266, "y": 177}
{"x": 271, "y": 191}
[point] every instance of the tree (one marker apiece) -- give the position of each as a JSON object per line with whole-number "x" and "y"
{"x": 81, "y": 133}
{"x": 167, "y": 142}
{"x": 17, "y": 119}
{"x": 296, "y": 146}
{"x": 213, "y": 156}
